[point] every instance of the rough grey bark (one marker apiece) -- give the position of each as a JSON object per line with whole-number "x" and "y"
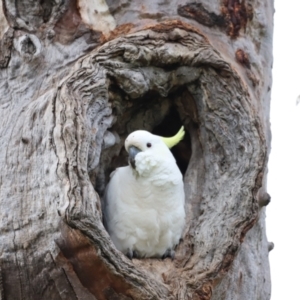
{"x": 76, "y": 79}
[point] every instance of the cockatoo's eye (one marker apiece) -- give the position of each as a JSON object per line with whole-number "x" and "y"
{"x": 149, "y": 145}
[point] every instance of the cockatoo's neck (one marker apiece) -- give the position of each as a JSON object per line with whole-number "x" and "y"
{"x": 148, "y": 165}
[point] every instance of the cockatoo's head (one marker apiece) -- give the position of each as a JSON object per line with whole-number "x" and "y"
{"x": 147, "y": 149}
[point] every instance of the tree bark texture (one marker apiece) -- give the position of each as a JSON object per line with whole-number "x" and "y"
{"x": 76, "y": 78}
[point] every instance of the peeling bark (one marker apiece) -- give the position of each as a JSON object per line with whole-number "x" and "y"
{"x": 73, "y": 89}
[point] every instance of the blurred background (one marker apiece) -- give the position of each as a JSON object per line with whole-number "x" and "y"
{"x": 283, "y": 213}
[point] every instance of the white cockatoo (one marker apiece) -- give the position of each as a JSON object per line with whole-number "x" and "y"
{"x": 144, "y": 202}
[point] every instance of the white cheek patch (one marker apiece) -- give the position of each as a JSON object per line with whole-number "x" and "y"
{"x": 144, "y": 163}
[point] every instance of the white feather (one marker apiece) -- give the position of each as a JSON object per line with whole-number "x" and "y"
{"x": 144, "y": 208}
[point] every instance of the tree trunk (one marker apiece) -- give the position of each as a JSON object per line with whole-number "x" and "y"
{"x": 76, "y": 78}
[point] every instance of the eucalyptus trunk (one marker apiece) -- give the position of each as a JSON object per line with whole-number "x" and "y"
{"x": 76, "y": 78}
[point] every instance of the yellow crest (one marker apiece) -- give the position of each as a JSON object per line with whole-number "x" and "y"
{"x": 174, "y": 140}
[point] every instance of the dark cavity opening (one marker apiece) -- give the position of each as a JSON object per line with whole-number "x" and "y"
{"x": 169, "y": 127}
{"x": 159, "y": 115}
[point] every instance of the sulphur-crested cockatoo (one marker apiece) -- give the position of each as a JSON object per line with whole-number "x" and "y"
{"x": 144, "y": 202}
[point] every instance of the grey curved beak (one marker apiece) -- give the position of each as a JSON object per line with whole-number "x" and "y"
{"x": 132, "y": 151}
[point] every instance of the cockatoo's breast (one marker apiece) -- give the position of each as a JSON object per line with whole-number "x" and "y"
{"x": 147, "y": 215}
